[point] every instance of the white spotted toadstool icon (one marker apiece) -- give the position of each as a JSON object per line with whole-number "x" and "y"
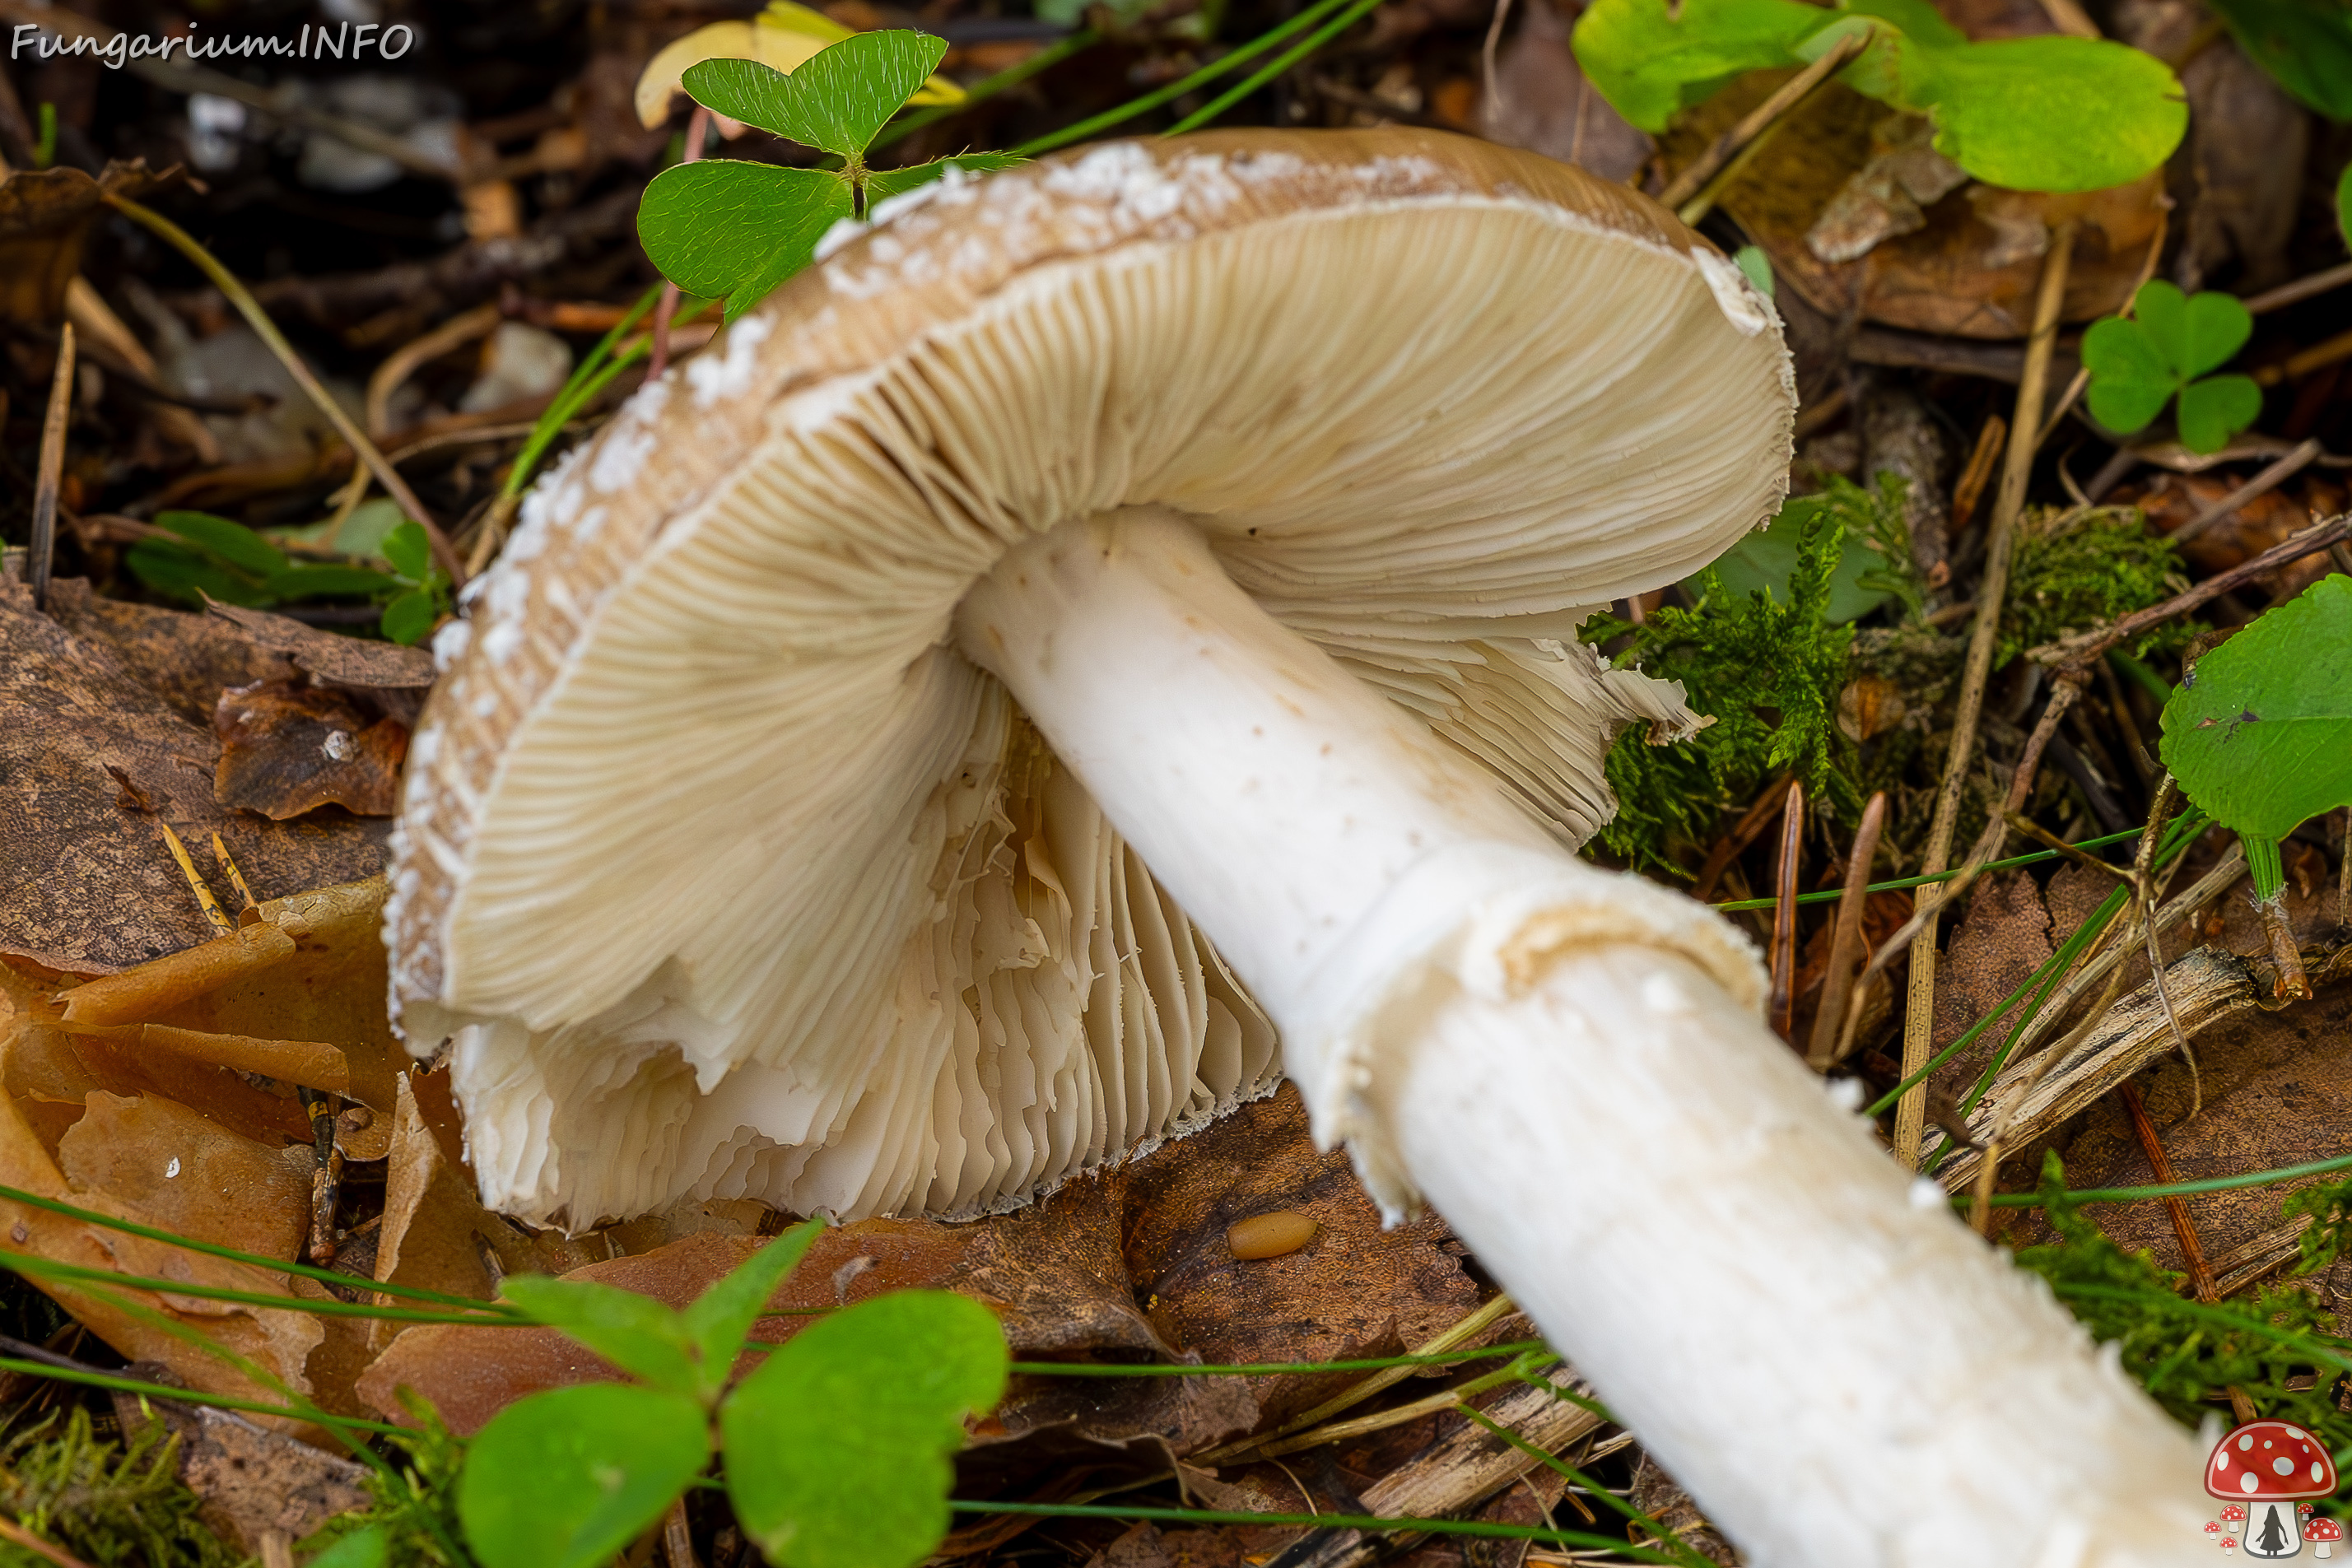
{"x": 2323, "y": 1534}
{"x": 2232, "y": 1517}
{"x": 1103, "y": 638}
{"x": 2269, "y": 1467}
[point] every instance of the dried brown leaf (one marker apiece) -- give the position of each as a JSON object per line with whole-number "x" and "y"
{"x": 288, "y": 749}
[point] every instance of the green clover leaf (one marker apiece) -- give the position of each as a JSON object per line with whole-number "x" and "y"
{"x": 722, "y": 229}
{"x": 2138, "y": 364}
{"x": 837, "y": 1448}
{"x": 838, "y": 99}
{"x": 568, "y": 1477}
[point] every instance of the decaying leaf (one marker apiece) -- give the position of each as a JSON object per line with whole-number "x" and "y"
{"x": 254, "y": 1482}
{"x": 193, "y": 1175}
{"x": 288, "y": 749}
{"x": 86, "y": 884}
{"x": 1970, "y": 267}
{"x": 45, "y": 215}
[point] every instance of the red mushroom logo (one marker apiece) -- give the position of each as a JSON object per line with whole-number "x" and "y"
{"x": 2268, "y": 1467}
{"x": 2323, "y": 1534}
{"x": 2232, "y": 1517}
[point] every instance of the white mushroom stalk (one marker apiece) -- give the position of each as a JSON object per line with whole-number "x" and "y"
{"x": 1570, "y": 1066}
{"x": 1104, "y": 639}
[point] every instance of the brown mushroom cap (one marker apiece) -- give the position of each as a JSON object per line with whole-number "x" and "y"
{"x": 728, "y": 875}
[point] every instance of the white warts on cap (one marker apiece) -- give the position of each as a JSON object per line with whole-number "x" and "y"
{"x": 1926, "y": 1195}
{"x": 713, "y": 379}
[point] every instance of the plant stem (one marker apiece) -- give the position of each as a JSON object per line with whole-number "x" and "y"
{"x": 1289, "y": 57}
{"x": 1158, "y": 96}
{"x": 2171, "y": 1189}
{"x": 1268, "y": 1368}
{"x": 258, "y": 319}
{"x": 1825, "y": 896}
{"x": 1697, "y": 186}
{"x": 1369, "y": 1522}
{"x": 1919, "y": 1016}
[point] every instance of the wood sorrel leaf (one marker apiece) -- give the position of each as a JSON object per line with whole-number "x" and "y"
{"x": 2047, "y": 113}
{"x": 409, "y": 551}
{"x": 568, "y": 1477}
{"x": 883, "y": 184}
{"x": 839, "y": 100}
{"x": 2194, "y": 335}
{"x": 728, "y": 230}
{"x": 2130, "y": 379}
{"x": 233, "y": 542}
{"x": 635, "y": 1332}
{"x": 2217, "y": 408}
{"x": 723, "y": 1315}
{"x": 837, "y": 1448}
{"x": 2260, "y": 733}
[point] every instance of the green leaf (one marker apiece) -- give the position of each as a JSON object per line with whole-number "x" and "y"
{"x": 1919, "y": 22}
{"x": 881, "y": 184}
{"x": 327, "y": 583}
{"x": 635, "y": 1332}
{"x": 188, "y": 574}
{"x": 409, "y": 617}
{"x": 2260, "y": 733}
{"x": 2130, "y": 381}
{"x": 2343, "y": 205}
{"x": 1765, "y": 562}
{"x": 838, "y": 99}
{"x": 837, "y": 1448}
{"x": 720, "y": 1318}
{"x": 2194, "y": 335}
{"x": 568, "y": 1477}
{"x": 233, "y": 542}
{"x": 361, "y": 1549}
{"x": 2217, "y": 408}
{"x": 1650, "y": 62}
{"x": 1756, "y": 266}
{"x": 2304, "y": 44}
{"x": 2047, "y": 113}
{"x": 409, "y": 551}
{"x": 726, "y": 229}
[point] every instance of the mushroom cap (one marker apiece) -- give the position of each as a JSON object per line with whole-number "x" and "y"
{"x": 726, "y": 875}
{"x": 2268, "y": 1461}
{"x": 2321, "y": 1530}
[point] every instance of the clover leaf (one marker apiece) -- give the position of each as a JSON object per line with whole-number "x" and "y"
{"x": 2140, "y": 362}
{"x": 2259, "y": 731}
{"x": 837, "y": 1448}
{"x": 568, "y": 1477}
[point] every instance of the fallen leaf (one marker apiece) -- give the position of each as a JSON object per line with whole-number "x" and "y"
{"x": 85, "y": 885}
{"x": 1542, "y": 102}
{"x": 288, "y": 749}
{"x": 342, "y": 661}
{"x": 254, "y": 1482}
{"x": 184, "y": 659}
{"x": 44, "y": 216}
{"x": 193, "y": 1175}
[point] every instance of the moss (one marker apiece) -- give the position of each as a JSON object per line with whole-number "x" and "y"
{"x": 414, "y": 1502}
{"x": 1768, "y": 668}
{"x": 2081, "y": 567}
{"x": 112, "y": 1507}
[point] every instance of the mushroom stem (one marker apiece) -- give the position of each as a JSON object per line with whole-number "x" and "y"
{"x": 1570, "y": 1066}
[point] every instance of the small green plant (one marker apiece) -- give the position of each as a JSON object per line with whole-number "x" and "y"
{"x": 2304, "y": 44}
{"x": 726, "y": 228}
{"x": 210, "y": 557}
{"x": 2162, "y": 351}
{"x": 1767, "y": 662}
{"x": 2034, "y": 114}
{"x": 2185, "y": 1352}
{"x": 1874, "y": 555}
{"x": 836, "y": 1449}
{"x": 424, "y": 588}
{"x": 106, "y": 1505}
{"x": 2259, "y": 732}
{"x": 213, "y": 557}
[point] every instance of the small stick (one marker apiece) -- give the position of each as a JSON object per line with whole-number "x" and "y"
{"x": 2344, "y": 877}
{"x": 2260, "y": 484}
{"x": 1486, "y": 60}
{"x": 1973, "y": 478}
{"x": 51, "y": 471}
{"x": 215, "y": 915}
{"x": 236, "y": 877}
{"x": 2184, "y": 1229}
{"x": 412, "y": 356}
{"x": 1784, "y": 913}
{"x": 2075, "y": 388}
{"x": 1692, "y": 182}
{"x": 1918, "y": 1022}
{"x": 258, "y": 319}
{"x": 678, "y": 1541}
{"x": 2317, "y": 357}
{"x": 1845, "y": 944}
{"x": 17, "y": 1535}
{"x": 1743, "y": 834}
{"x": 2076, "y": 653}
{"x": 2301, "y": 289}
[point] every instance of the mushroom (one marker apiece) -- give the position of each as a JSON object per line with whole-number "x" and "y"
{"x": 2270, "y": 1465}
{"x": 1117, "y": 611}
{"x": 2232, "y": 1517}
{"x": 2323, "y": 1534}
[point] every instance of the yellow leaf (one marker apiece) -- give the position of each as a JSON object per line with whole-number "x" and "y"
{"x": 784, "y": 36}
